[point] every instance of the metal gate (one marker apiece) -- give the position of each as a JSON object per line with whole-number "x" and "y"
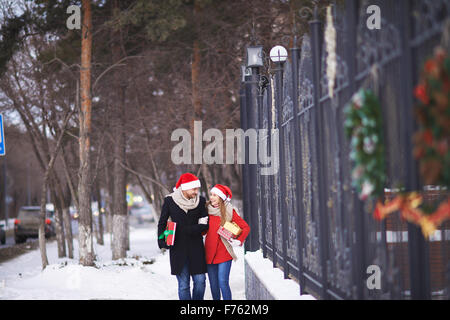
{"x": 307, "y": 218}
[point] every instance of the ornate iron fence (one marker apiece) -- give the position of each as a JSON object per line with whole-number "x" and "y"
{"x": 307, "y": 218}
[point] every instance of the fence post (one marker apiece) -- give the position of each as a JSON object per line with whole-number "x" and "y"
{"x": 246, "y": 98}
{"x": 282, "y": 170}
{"x": 418, "y": 250}
{"x": 252, "y": 106}
{"x": 272, "y": 180}
{"x": 295, "y": 53}
{"x": 316, "y": 46}
{"x": 243, "y": 116}
{"x": 262, "y": 187}
{"x": 358, "y": 242}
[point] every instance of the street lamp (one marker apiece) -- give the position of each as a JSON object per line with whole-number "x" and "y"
{"x": 255, "y": 57}
{"x": 254, "y": 61}
{"x": 278, "y": 54}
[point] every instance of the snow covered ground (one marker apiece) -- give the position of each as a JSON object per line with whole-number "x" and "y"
{"x": 273, "y": 278}
{"x": 145, "y": 274}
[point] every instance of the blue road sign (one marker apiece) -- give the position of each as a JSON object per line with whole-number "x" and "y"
{"x": 2, "y": 137}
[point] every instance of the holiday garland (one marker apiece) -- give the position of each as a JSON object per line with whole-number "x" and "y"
{"x": 363, "y": 126}
{"x": 412, "y": 208}
{"x": 431, "y": 149}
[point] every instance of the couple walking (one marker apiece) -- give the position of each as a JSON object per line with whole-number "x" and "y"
{"x": 190, "y": 256}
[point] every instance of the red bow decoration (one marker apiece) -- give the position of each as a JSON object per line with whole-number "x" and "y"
{"x": 408, "y": 204}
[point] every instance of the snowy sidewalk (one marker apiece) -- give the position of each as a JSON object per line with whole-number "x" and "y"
{"x": 145, "y": 274}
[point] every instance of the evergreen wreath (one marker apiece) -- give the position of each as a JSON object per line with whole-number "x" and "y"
{"x": 363, "y": 127}
{"x": 431, "y": 141}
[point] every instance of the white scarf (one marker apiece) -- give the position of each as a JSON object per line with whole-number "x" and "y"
{"x": 182, "y": 202}
{"x": 229, "y": 216}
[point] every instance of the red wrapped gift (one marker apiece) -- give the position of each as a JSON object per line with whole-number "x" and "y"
{"x": 169, "y": 234}
{"x": 224, "y": 233}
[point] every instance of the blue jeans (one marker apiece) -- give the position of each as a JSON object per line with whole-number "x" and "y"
{"x": 219, "y": 275}
{"x": 184, "y": 285}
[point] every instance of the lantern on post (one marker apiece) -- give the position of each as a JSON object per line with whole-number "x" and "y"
{"x": 244, "y": 72}
{"x": 255, "y": 57}
{"x": 278, "y": 54}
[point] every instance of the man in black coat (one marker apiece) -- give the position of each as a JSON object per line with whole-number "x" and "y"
{"x": 187, "y": 209}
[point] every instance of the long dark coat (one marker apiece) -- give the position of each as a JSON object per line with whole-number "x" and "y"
{"x": 188, "y": 236}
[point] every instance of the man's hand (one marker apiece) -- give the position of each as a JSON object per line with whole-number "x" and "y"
{"x": 162, "y": 244}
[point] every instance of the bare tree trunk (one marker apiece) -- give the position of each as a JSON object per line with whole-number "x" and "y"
{"x": 68, "y": 230}
{"x": 120, "y": 204}
{"x": 109, "y": 194}
{"x": 70, "y": 183}
{"x": 59, "y": 229}
{"x": 42, "y": 217}
{"x": 65, "y": 214}
{"x": 66, "y": 204}
{"x": 84, "y": 184}
{"x": 120, "y": 224}
{"x": 100, "y": 215}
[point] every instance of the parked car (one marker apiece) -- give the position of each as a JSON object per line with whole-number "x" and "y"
{"x": 142, "y": 214}
{"x": 27, "y": 224}
{"x": 2, "y": 234}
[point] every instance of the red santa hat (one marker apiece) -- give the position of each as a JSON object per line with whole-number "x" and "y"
{"x": 188, "y": 181}
{"x": 222, "y": 191}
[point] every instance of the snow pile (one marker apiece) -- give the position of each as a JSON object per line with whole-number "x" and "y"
{"x": 273, "y": 278}
{"x": 144, "y": 274}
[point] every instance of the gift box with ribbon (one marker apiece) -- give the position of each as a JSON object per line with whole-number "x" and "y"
{"x": 233, "y": 228}
{"x": 169, "y": 233}
{"x": 224, "y": 233}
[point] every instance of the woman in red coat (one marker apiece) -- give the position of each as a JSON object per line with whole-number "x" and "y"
{"x": 219, "y": 251}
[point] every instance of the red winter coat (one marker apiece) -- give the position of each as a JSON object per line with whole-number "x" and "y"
{"x": 215, "y": 250}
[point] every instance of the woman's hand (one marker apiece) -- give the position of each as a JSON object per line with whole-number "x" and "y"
{"x": 203, "y": 220}
{"x": 234, "y": 242}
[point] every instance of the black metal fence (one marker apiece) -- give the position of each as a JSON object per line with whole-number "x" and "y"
{"x": 307, "y": 218}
